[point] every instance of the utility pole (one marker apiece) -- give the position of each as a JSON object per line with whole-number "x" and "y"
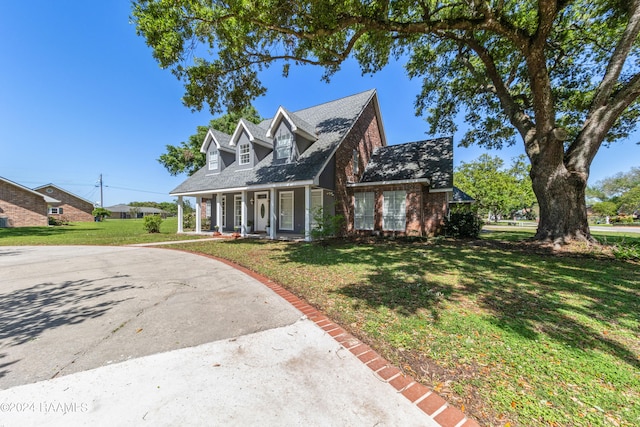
{"x": 101, "y": 199}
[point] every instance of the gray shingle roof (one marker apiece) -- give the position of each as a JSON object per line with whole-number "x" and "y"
{"x": 460, "y": 196}
{"x": 331, "y": 122}
{"x": 431, "y": 159}
{"x": 222, "y": 138}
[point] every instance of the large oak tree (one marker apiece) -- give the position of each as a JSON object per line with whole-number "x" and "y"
{"x": 562, "y": 76}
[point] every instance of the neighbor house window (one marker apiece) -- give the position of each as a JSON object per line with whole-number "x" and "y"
{"x": 57, "y": 211}
{"x": 237, "y": 211}
{"x": 394, "y": 210}
{"x": 245, "y": 155}
{"x": 283, "y": 146}
{"x": 364, "y": 207}
{"x": 213, "y": 160}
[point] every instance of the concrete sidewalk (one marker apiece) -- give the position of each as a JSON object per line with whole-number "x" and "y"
{"x": 140, "y": 335}
{"x": 292, "y": 375}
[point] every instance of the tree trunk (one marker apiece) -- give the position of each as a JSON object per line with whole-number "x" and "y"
{"x": 563, "y": 209}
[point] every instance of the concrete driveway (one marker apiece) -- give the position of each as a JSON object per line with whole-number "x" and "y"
{"x": 126, "y": 336}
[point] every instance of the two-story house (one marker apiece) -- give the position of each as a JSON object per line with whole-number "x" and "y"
{"x": 272, "y": 177}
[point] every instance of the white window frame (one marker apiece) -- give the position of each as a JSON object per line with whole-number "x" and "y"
{"x": 207, "y": 209}
{"x": 237, "y": 210}
{"x": 244, "y": 153}
{"x": 282, "y": 213}
{"x": 364, "y": 210}
{"x": 214, "y": 160}
{"x": 280, "y": 148}
{"x": 55, "y": 211}
{"x": 394, "y": 210}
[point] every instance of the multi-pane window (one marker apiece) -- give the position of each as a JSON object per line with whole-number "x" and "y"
{"x": 286, "y": 210}
{"x": 55, "y": 211}
{"x": 213, "y": 160}
{"x": 283, "y": 146}
{"x": 245, "y": 155}
{"x": 394, "y": 210}
{"x": 237, "y": 211}
{"x": 364, "y": 207}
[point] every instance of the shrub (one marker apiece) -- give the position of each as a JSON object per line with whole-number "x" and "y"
{"x": 327, "y": 225}
{"x": 189, "y": 221}
{"x": 100, "y": 213}
{"x": 463, "y": 222}
{"x": 152, "y": 223}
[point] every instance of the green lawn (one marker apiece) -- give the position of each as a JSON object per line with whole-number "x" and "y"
{"x": 510, "y": 332}
{"x": 109, "y": 232}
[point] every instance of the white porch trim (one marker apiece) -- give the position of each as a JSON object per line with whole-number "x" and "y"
{"x": 198, "y": 215}
{"x": 180, "y": 215}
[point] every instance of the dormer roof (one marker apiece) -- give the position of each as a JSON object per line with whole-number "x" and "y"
{"x": 298, "y": 125}
{"x": 257, "y": 135}
{"x": 221, "y": 140}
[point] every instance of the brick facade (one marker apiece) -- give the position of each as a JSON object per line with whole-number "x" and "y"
{"x": 20, "y": 207}
{"x": 73, "y": 208}
{"x": 425, "y": 211}
{"x": 365, "y": 137}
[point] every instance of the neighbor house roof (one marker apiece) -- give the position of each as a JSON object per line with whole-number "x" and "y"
{"x": 331, "y": 122}
{"x": 47, "y": 199}
{"x": 122, "y": 208}
{"x": 429, "y": 161}
{"x": 64, "y": 191}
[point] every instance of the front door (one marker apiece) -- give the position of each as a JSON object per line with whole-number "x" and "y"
{"x": 262, "y": 211}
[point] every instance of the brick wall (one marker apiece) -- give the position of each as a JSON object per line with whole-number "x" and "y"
{"x": 435, "y": 211}
{"x": 73, "y": 208}
{"x": 21, "y": 208}
{"x": 425, "y": 211}
{"x": 364, "y": 137}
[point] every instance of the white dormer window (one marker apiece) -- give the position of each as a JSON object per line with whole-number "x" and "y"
{"x": 245, "y": 155}
{"x": 213, "y": 160}
{"x": 283, "y": 146}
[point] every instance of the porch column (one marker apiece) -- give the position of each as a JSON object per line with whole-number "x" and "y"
{"x": 180, "y": 214}
{"x": 243, "y": 216}
{"x": 219, "y": 211}
{"x": 272, "y": 214}
{"x": 307, "y": 213}
{"x": 199, "y": 214}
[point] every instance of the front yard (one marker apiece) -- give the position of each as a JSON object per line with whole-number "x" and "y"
{"x": 513, "y": 337}
{"x": 506, "y": 331}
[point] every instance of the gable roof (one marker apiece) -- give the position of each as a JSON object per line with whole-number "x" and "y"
{"x": 221, "y": 139}
{"x": 256, "y": 134}
{"x": 46, "y": 198}
{"x": 298, "y": 125}
{"x": 64, "y": 191}
{"x": 429, "y": 161}
{"x": 332, "y": 121}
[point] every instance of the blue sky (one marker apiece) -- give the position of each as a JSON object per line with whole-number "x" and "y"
{"x": 81, "y": 95}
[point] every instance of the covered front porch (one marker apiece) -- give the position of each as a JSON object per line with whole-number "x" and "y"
{"x": 275, "y": 212}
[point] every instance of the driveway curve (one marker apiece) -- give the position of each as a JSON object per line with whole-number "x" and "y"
{"x": 95, "y": 335}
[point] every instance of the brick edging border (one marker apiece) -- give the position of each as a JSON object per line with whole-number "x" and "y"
{"x": 425, "y": 399}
